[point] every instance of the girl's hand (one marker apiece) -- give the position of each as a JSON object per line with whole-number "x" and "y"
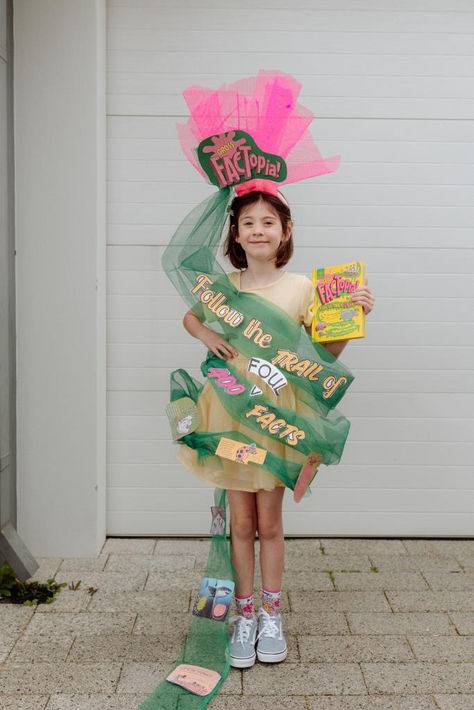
{"x": 364, "y": 297}
{"x": 218, "y": 345}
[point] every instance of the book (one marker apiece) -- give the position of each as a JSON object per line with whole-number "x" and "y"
{"x": 335, "y": 316}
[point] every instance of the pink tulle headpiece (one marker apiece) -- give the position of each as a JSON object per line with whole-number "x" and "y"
{"x": 265, "y": 108}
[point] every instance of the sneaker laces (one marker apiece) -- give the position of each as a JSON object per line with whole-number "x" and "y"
{"x": 242, "y": 627}
{"x": 269, "y": 626}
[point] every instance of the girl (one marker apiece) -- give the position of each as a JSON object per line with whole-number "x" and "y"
{"x": 259, "y": 243}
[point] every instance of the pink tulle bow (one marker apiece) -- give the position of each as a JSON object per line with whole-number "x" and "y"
{"x": 256, "y": 185}
{"x": 265, "y": 107}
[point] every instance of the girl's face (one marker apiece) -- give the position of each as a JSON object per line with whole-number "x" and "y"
{"x": 260, "y": 232}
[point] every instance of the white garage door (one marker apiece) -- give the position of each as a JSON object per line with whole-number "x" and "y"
{"x": 392, "y": 92}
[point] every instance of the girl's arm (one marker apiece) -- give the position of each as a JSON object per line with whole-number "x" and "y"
{"x": 335, "y": 347}
{"x": 213, "y": 341}
{"x": 362, "y": 295}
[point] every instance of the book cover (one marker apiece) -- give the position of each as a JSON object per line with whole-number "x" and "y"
{"x": 335, "y": 316}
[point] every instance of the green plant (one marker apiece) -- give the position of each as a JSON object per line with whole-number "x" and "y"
{"x": 27, "y": 593}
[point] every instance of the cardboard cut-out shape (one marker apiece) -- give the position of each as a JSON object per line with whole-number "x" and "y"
{"x": 240, "y": 452}
{"x": 268, "y": 373}
{"x": 218, "y": 520}
{"x": 196, "y": 679}
{"x": 183, "y": 417}
{"x": 234, "y": 157}
{"x": 213, "y": 598}
{"x": 308, "y": 472}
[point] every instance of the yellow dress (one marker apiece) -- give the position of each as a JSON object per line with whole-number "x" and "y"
{"x": 293, "y": 293}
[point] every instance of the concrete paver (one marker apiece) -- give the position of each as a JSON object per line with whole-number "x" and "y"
{"x": 442, "y": 648}
{"x": 339, "y": 601}
{"x": 304, "y": 678}
{"x": 430, "y": 600}
{"x": 88, "y": 701}
{"x": 380, "y": 580}
{"x": 464, "y": 622}
{"x": 25, "y": 702}
{"x": 351, "y": 648}
{"x": 371, "y": 624}
{"x": 387, "y": 702}
{"x": 446, "y": 563}
{"x": 421, "y": 622}
{"x": 455, "y": 702}
{"x": 160, "y": 601}
{"x": 150, "y": 563}
{"x": 419, "y": 677}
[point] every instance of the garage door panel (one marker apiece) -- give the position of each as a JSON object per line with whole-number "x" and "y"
{"x": 367, "y": 172}
{"x": 398, "y": 357}
{"x": 159, "y": 84}
{"x": 141, "y": 192}
{"x": 355, "y": 452}
{"x": 320, "y": 19}
{"x": 360, "y": 215}
{"x": 204, "y": 62}
{"x": 380, "y": 476}
{"x": 447, "y": 431}
{"x": 126, "y": 330}
{"x": 335, "y": 499}
{"x": 303, "y": 41}
{"x": 372, "y": 107}
{"x": 413, "y": 381}
{"x": 405, "y": 308}
{"x": 303, "y": 523}
{"x": 362, "y": 403}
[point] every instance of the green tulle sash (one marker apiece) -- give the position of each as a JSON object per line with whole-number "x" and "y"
{"x": 318, "y": 379}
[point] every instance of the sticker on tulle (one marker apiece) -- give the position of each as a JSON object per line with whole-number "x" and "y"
{"x": 183, "y": 417}
{"x": 307, "y": 473}
{"x": 213, "y": 598}
{"x": 196, "y": 679}
{"x": 240, "y": 452}
{"x": 218, "y": 520}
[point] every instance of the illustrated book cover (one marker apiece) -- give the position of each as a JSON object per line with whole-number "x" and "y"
{"x": 335, "y": 316}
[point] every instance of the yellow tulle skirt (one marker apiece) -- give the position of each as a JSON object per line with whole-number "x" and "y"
{"x": 220, "y": 472}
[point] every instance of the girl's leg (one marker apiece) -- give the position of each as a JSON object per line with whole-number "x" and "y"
{"x": 270, "y": 533}
{"x": 243, "y": 526}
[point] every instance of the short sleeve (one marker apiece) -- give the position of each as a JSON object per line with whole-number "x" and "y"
{"x": 307, "y": 302}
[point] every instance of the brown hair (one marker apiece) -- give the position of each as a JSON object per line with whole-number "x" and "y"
{"x": 234, "y": 251}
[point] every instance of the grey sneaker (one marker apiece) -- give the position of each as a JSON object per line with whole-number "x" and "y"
{"x": 242, "y": 643}
{"x": 271, "y": 644}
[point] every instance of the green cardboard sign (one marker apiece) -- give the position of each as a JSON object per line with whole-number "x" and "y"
{"x": 234, "y": 157}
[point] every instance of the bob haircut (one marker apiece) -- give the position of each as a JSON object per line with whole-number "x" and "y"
{"x": 234, "y": 251}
